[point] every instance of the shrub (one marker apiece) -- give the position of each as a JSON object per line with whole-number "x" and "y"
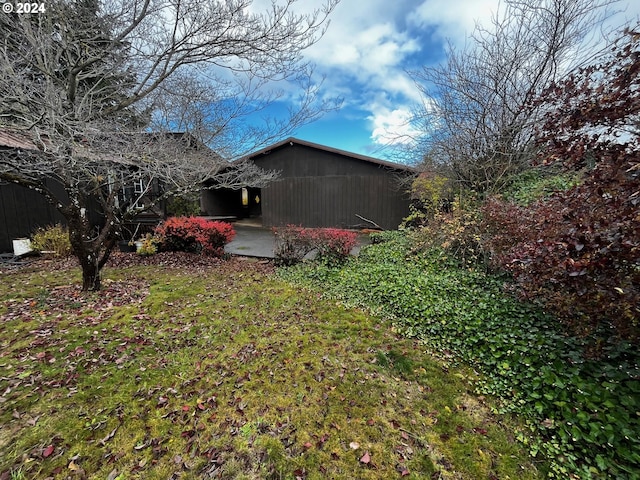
{"x": 149, "y": 245}
{"x": 537, "y": 183}
{"x": 431, "y": 194}
{"x": 333, "y": 244}
{"x": 194, "y": 234}
{"x": 576, "y": 252}
{"x": 456, "y": 233}
{"x": 54, "y": 238}
{"x": 183, "y": 206}
{"x": 293, "y": 243}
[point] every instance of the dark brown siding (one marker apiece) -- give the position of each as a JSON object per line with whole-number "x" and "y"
{"x": 22, "y": 211}
{"x": 334, "y": 201}
{"x": 319, "y": 188}
{"x": 302, "y": 161}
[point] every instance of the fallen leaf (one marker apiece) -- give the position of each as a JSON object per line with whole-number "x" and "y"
{"x": 547, "y": 423}
{"x": 108, "y": 437}
{"x": 141, "y": 446}
{"x": 113, "y": 475}
{"x": 48, "y": 451}
{"x": 322, "y": 440}
{"x": 366, "y": 458}
{"x": 122, "y": 359}
{"x": 32, "y": 421}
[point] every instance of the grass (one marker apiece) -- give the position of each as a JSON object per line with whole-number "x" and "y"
{"x": 228, "y": 372}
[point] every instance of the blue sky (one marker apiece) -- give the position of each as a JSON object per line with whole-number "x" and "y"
{"x": 366, "y": 52}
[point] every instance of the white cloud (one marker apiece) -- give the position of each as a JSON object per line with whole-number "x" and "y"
{"x": 454, "y": 23}
{"x": 363, "y": 55}
{"x": 392, "y": 126}
{"x": 362, "y": 49}
{"x": 364, "y": 52}
{"x": 627, "y": 12}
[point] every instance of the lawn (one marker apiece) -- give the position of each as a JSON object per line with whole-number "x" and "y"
{"x": 190, "y": 368}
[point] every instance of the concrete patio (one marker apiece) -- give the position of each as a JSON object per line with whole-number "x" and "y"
{"x": 251, "y": 241}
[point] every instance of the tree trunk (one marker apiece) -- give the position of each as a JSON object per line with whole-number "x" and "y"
{"x": 85, "y": 248}
{"x": 90, "y": 277}
{"x": 93, "y": 256}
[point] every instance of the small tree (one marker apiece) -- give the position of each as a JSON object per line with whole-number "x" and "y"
{"x": 431, "y": 194}
{"x": 84, "y": 83}
{"x": 477, "y": 115}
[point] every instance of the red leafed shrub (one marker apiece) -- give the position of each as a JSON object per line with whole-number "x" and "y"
{"x": 574, "y": 255}
{"x": 578, "y": 251}
{"x": 333, "y": 243}
{"x": 293, "y": 243}
{"x": 194, "y": 234}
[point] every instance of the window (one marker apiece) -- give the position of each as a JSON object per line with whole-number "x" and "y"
{"x": 139, "y": 188}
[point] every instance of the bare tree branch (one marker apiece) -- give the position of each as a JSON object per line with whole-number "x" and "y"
{"x": 88, "y": 82}
{"x": 477, "y": 116}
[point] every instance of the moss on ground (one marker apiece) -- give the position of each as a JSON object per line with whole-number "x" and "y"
{"x": 227, "y": 372}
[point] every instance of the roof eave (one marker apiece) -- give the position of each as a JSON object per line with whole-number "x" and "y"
{"x": 292, "y": 141}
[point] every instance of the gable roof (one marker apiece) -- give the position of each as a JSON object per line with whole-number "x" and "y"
{"x": 294, "y": 141}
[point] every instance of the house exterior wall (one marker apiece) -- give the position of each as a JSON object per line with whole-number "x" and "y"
{"x": 334, "y": 201}
{"x": 22, "y": 212}
{"x": 305, "y": 161}
{"x": 319, "y": 187}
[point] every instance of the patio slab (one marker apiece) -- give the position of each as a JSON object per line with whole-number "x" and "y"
{"x": 251, "y": 241}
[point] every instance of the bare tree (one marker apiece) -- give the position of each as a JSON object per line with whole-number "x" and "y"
{"x": 477, "y": 114}
{"x": 86, "y": 82}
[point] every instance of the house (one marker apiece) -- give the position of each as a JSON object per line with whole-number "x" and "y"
{"x": 318, "y": 186}
{"x": 23, "y": 211}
